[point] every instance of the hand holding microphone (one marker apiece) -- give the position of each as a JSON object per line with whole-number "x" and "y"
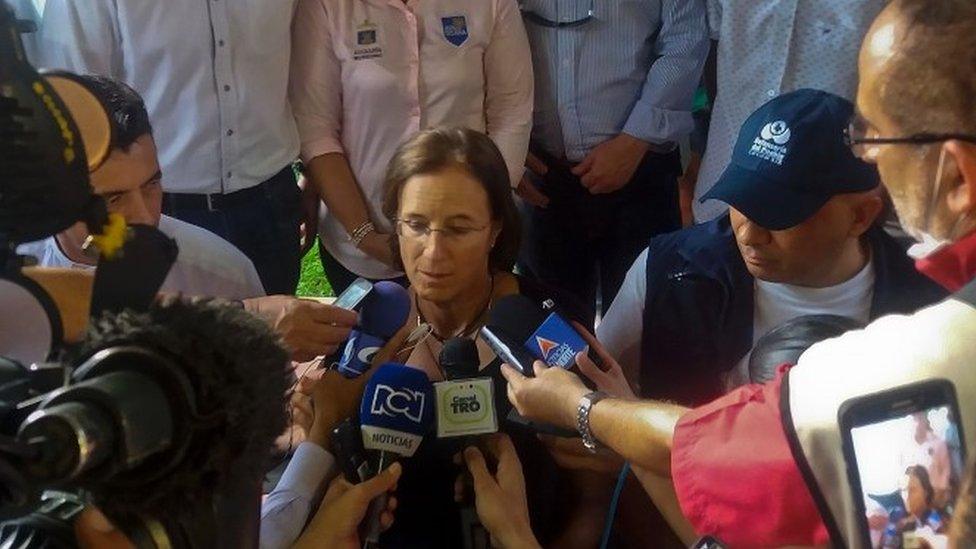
{"x": 500, "y": 498}
{"x": 396, "y": 414}
{"x": 336, "y": 524}
{"x": 551, "y": 396}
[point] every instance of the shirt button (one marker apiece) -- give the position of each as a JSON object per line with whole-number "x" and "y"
{"x": 220, "y": 43}
{"x": 771, "y": 93}
{"x": 230, "y": 174}
{"x": 227, "y": 88}
{"x": 230, "y": 133}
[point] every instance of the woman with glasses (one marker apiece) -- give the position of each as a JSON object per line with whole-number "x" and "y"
{"x": 457, "y": 235}
{"x": 368, "y": 74}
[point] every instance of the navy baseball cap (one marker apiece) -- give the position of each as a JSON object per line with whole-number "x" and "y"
{"x": 791, "y": 158}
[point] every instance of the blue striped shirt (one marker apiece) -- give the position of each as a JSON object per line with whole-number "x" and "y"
{"x": 633, "y": 68}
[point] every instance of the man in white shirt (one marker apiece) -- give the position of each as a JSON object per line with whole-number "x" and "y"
{"x": 800, "y": 240}
{"x": 129, "y": 181}
{"x": 214, "y": 75}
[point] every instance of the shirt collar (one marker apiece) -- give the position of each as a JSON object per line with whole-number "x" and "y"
{"x": 953, "y": 266}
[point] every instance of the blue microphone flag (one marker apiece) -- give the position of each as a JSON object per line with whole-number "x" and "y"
{"x": 555, "y": 342}
{"x": 397, "y": 409}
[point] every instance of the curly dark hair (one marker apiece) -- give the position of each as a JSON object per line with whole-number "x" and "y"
{"x": 239, "y": 372}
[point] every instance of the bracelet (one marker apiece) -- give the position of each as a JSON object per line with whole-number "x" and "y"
{"x": 583, "y": 418}
{"x": 361, "y": 231}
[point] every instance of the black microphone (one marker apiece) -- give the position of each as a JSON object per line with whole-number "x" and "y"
{"x": 347, "y": 447}
{"x": 459, "y": 358}
{"x": 544, "y": 333}
{"x": 520, "y": 332}
{"x": 169, "y": 419}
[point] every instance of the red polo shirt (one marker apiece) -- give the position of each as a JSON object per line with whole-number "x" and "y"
{"x": 731, "y": 464}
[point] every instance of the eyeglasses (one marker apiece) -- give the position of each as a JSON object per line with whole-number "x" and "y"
{"x": 855, "y": 135}
{"x": 421, "y": 230}
{"x": 537, "y": 19}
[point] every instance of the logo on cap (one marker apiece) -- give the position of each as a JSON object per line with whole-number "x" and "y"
{"x": 777, "y": 132}
{"x": 770, "y": 145}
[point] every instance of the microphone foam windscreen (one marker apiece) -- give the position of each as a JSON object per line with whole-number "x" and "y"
{"x": 397, "y": 409}
{"x": 385, "y": 309}
{"x": 459, "y": 358}
{"x": 518, "y": 315}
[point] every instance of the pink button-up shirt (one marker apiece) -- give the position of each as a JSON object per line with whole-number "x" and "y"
{"x": 367, "y": 74}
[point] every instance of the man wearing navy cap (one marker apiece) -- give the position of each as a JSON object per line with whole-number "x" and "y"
{"x": 800, "y": 239}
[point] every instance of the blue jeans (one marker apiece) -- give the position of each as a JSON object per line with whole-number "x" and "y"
{"x": 263, "y": 222}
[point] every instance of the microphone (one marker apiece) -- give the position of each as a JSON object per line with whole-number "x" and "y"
{"x": 384, "y": 312}
{"x": 397, "y": 409}
{"x": 466, "y": 402}
{"x": 459, "y": 358}
{"x": 546, "y": 335}
{"x": 520, "y": 332}
{"x": 395, "y": 415}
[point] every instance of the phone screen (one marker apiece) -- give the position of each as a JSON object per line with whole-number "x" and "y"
{"x": 354, "y": 294}
{"x": 909, "y": 463}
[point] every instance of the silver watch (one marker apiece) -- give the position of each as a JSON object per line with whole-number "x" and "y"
{"x": 583, "y": 418}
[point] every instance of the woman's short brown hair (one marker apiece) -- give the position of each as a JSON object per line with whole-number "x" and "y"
{"x": 431, "y": 151}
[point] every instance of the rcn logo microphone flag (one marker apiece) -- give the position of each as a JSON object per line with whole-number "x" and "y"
{"x": 555, "y": 342}
{"x": 397, "y": 409}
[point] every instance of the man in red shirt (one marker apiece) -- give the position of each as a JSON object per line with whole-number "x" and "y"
{"x": 732, "y": 467}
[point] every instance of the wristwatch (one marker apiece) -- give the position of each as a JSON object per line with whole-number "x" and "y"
{"x": 583, "y": 418}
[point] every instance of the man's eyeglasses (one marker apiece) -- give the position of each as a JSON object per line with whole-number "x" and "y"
{"x": 537, "y": 19}
{"x": 421, "y": 230}
{"x": 856, "y": 137}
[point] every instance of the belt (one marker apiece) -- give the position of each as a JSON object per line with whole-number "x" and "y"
{"x": 220, "y": 201}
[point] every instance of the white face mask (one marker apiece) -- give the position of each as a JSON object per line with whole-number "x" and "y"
{"x": 927, "y": 244}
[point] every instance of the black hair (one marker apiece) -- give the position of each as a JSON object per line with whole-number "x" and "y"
{"x": 785, "y": 343}
{"x": 239, "y": 371}
{"x": 125, "y": 107}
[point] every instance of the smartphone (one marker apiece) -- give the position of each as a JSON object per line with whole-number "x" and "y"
{"x": 352, "y": 296}
{"x": 905, "y": 455}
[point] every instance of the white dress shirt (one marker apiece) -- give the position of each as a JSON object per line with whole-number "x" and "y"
{"x": 633, "y": 68}
{"x": 770, "y": 47}
{"x": 213, "y": 74}
{"x": 368, "y": 74}
{"x": 207, "y": 265}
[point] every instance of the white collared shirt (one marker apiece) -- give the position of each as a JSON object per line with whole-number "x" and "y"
{"x": 207, "y": 265}
{"x": 368, "y": 74}
{"x": 213, "y": 74}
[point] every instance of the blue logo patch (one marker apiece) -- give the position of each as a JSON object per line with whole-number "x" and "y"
{"x": 455, "y": 29}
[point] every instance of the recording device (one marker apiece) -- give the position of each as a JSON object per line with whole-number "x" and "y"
{"x": 544, "y": 333}
{"x": 466, "y": 401}
{"x": 347, "y": 447}
{"x": 351, "y": 297}
{"x": 384, "y": 312}
{"x": 396, "y": 414}
{"x": 165, "y": 419}
{"x": 880, "y": 439}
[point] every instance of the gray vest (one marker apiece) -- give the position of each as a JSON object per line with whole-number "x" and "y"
{"x": 935, "y": 342}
